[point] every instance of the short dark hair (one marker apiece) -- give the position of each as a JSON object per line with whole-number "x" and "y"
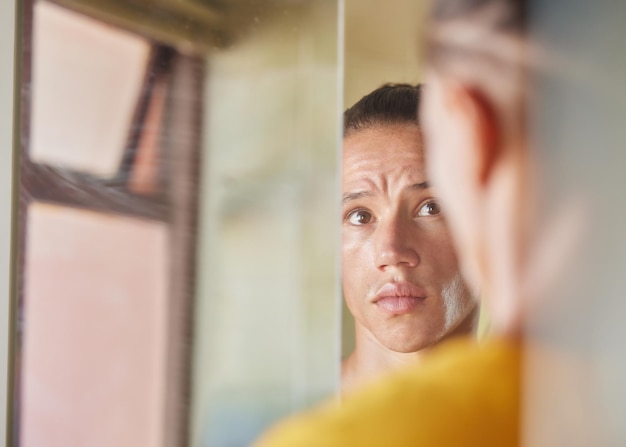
{"x": 387, "y": 105}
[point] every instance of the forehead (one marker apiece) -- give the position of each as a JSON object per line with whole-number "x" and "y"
{"x": 389, "y": 150}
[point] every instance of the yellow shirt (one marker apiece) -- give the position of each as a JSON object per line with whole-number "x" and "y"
{"x": 462, "y": 394}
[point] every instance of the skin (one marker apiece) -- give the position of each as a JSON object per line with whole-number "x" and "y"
{"x": 482, "y": 169}
{"x": 481, "y": 162}
{"x": 479, "y": 155}
{"x": 394, "y": 237}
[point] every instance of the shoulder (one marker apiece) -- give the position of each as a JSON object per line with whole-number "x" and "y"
{"x": 462, "y": 394}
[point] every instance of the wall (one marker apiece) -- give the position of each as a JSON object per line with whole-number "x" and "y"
{"x": 267, "y": 314}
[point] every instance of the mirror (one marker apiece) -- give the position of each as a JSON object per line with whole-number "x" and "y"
{"x": 110, "y": 137}
{"x": 177, "y": 266}
{"x": 381, "y": 46}
{"x": 176, "y": 271}
{"x": 267, "y": 318}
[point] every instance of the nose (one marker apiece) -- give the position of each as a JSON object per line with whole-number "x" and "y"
{"x": 396, "y": 242}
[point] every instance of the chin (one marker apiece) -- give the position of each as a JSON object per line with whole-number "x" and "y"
{"x": 407, "y": 346}
{"x": 414, "y": 336}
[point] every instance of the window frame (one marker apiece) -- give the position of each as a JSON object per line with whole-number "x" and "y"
{"x": 175, "y": 203}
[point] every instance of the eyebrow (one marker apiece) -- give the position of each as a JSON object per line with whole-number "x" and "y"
{"x": 351, "y": 196}
{"x": 420, "y": 186}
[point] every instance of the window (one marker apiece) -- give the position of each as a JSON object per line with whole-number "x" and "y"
{"x": 110, "y": 148}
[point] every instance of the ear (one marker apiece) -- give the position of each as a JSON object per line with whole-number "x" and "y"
{"x": 478, "y": 112}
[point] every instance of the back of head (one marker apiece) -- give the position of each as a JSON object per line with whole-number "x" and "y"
{"x": 505, "y": 16}
{"x": 389, "y": 104}
{"x": 484, "y": 43}
{"x": 475, "y": 110}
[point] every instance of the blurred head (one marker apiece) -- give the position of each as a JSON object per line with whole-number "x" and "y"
{"x": 401, "y": 280}
{"x": 474, "y": 121}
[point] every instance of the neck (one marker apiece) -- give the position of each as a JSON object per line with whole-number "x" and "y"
{"x": 371, "y": 359}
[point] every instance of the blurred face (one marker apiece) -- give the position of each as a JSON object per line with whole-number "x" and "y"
{"x": 451, "y": 167}
{"x": 400, "y": 275}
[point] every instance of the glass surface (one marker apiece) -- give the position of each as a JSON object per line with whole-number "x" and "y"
{"x": 381, "y": 46}
{"x": 177, "y": 247}
{"x": 110, "y": 138}
{"x": 86, "y": 82}
{"x": 267, "y": 312}
{"x": 93, "y": 354}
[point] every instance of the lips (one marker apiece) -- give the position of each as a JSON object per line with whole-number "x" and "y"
{"x": 399, "y": 297}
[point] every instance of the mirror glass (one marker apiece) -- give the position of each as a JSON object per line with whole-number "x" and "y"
{"x": 267, "y": 315}
{"x": 382, "y": 45}
{"x": 177, "y": 241}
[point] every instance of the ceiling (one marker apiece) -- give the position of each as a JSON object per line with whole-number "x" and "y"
{"x": 381, "y": 36}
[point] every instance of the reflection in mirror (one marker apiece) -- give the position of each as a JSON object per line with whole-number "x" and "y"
{"x": 78, "y": 63}
{"x": 267, "y": 317}
{"x": 383, "y": 45}
{"x": 110, "y": 136}
{"x": 177, "y": 269}
{"x": 378, "y": 50}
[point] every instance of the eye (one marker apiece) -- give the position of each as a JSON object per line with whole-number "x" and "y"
{"x": 430, "y": 208}
{"x": 359, "y": 217}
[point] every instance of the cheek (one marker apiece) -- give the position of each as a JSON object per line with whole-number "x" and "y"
{"x": 448, "y": 281}
{"x": 354, "y": 266}
{"x": 442, "y": 253}
{"x": 457, "y": 300}
{"x": 355, "y": 249}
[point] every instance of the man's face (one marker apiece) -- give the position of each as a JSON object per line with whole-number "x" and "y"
{"x": 400, "y": 275}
